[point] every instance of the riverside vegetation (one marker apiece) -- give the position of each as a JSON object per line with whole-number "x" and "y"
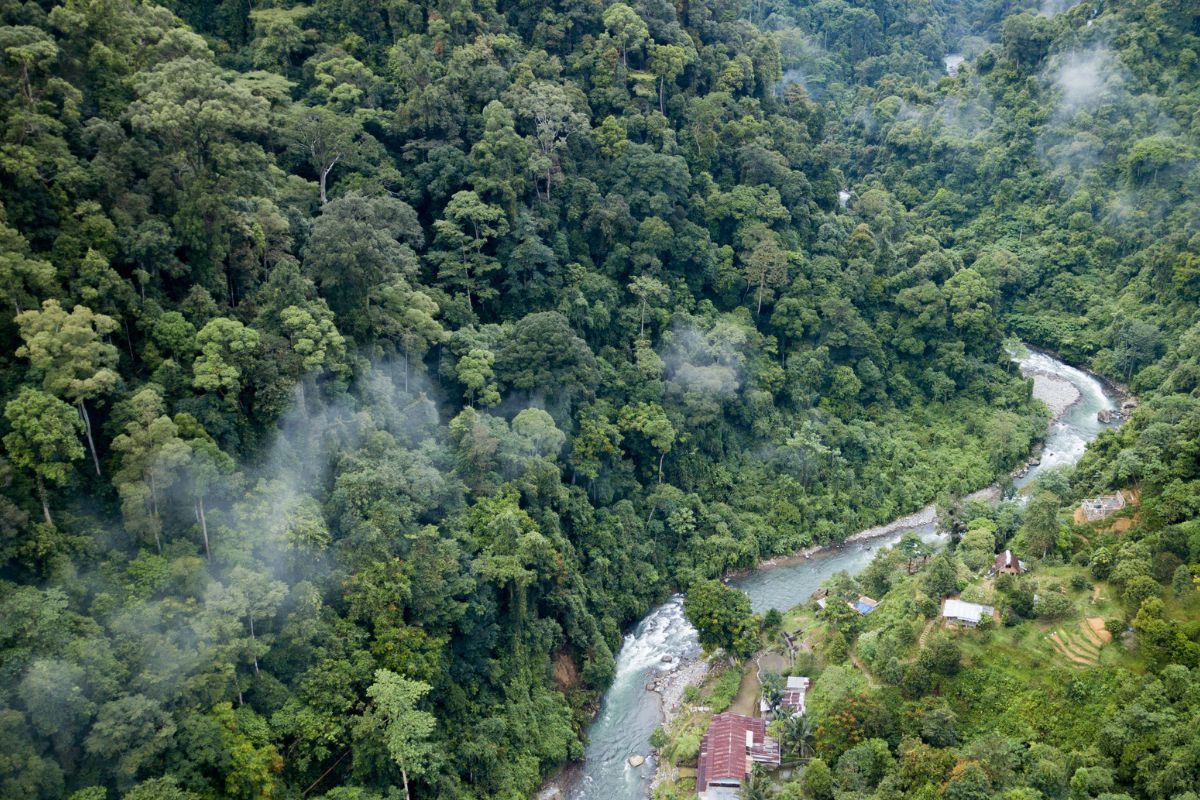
{"x": 370, "y": 365}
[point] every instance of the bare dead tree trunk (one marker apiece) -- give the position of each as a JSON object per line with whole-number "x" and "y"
{"x": 154, "y": 513}
{"x": 129, "y": 341}
{"x": 254, "y": 639}
{"x": 45, "y": 505}
{"x": 204, "y": 527}
{"x": 26, "y": 86}
{"x": 87, "y": 427}
{"x": 325, "y": 176}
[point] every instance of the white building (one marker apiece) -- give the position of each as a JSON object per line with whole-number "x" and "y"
{"x": 965, "y": 613}
{"x": 791, "y": 704}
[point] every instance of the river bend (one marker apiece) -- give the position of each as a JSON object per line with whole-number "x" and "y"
{"x": 664, "y": 638}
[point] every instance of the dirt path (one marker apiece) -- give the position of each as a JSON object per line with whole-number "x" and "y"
{"x": 925, "y": 633}
{"x": 746, "y": 702}
{"x": 856, "y": 661}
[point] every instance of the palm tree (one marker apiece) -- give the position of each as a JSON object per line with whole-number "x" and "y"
{"x": 772, "y": 690}
{"x": 798, "y": 735}
{"x": 757, "y": 784}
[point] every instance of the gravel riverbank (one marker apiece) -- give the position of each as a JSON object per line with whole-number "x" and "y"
{"x": 671, "y": 685}
{"x": 1058, "y": 393}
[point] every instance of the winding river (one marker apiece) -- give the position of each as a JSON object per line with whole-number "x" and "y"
{"x": 664, "y": 638}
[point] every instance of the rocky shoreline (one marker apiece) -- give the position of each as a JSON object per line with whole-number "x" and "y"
{"x": 1058, "y": 393}
{"x": 671, "y": 684}
{"x": 670, "y": 687}
{"x": 918, "y": 519}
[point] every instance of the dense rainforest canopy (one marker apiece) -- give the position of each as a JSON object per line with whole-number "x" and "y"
{"x": 371, "y": 364}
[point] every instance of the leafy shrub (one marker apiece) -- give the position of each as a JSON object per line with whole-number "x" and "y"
{"x": 942, "y": 655}
{"x": 772, "y": 619}
{"x": 658, "y": 738}
{"x": 805, "y": 664}
{"x": 724, "y": 690}
{"x": 1054, "y": 605}
{"x": 1137, "y": 590}
{"x": 817, "y": 780}
{"x": 687, "y": 747}
{"x": 836, "y": 649}
{"x": 1181, "y": 581}
{"x": 892, "y": 672}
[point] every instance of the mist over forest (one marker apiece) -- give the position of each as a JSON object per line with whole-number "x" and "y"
{"x": 371, "y": 366}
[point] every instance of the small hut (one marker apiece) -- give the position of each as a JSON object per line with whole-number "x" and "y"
{"x": 1008, "y": 564}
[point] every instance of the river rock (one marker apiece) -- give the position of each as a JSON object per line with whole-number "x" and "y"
{"x": 636, "y": 761}
{"x": 668, "y": 658}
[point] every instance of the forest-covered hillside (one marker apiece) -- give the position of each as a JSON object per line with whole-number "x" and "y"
{"x": 370, "y": 364}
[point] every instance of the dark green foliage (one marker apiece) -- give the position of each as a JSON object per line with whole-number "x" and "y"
{"x": 942, "y": 655}
{"x": 356, "y": 345}
{"x": 817, "y": 780}
{"x": 940, "y": 579}
{"x": 722, "y": 617}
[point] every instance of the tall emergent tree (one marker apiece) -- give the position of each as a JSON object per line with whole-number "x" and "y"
{"x": 404, "y": 728}
{"x": 44, "y": 439}
{"x": 70, "y": 354}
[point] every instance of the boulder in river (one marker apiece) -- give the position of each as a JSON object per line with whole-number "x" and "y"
{"x": 636, "y": 761}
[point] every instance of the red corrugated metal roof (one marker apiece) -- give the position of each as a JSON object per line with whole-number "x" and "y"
{"x": 723, "y": 755}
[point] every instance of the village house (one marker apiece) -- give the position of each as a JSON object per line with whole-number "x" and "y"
{"x": 794, "y": 694}
{"x": 960, "y": 612}
{"x": 864, "y": 604}
{"x": 1008, "y": 564}
{"x": 729, "y": 750}
{"x": 1095, "y": 508}
{"x": 791, "y": 702}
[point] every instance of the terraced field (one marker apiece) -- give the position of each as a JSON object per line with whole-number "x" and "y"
{"x": 1080, "y": 644}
